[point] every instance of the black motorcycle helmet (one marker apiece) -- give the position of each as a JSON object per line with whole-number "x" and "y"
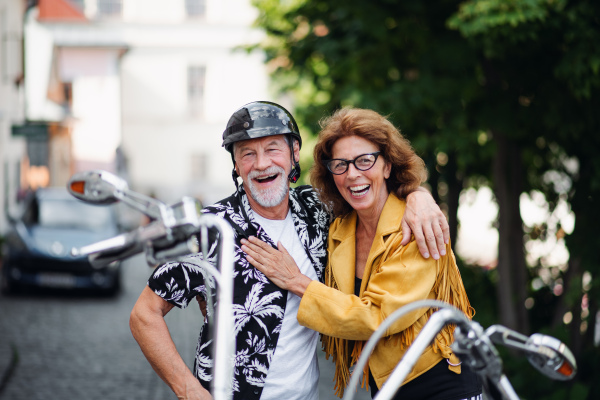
{"x": 260, "y": 119}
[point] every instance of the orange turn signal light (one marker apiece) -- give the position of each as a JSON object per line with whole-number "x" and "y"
{"x": 565, "y": 369}
{"x": 78, "y": 187}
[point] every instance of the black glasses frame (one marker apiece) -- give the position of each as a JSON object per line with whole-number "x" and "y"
{"x": 353, "y": 162}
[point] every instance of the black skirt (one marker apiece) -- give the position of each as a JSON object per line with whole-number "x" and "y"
{"x": 439, "y": 383}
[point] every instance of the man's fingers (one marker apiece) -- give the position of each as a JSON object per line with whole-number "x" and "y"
{"x": 406, "y": 233}
{"x": 439, "y": 239}
{"x": 421, "y": 243}
{"x": 431, "y": 242}
{"x": 446, "y": 230}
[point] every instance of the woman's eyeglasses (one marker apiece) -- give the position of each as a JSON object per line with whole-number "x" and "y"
{"x": 339, "y": 166}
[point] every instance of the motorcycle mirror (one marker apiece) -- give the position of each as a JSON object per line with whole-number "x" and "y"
{"x": 97, "y": 187}
{"x": 553, "y": 358}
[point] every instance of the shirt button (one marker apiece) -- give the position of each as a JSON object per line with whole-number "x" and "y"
{"x": 255, "y": 391}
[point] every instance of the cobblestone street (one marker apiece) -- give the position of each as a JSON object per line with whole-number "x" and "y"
{"x": 80, "y": 347}
{"x": 74, "y": 347}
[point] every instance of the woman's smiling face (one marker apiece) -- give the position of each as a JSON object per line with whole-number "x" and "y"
{"x": 363, "y": 190}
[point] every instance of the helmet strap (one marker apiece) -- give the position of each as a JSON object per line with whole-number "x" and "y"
{"x": 234, "y": 174}
{"x": 294, "y": 174}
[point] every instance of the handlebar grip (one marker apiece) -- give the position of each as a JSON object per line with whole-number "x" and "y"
{"x": 102, "y": 258}
{"x": 157, "y": 256}
{"x": 102, "y": 253}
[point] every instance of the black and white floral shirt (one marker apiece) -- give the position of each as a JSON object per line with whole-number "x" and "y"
{"x": 258, "y": 304}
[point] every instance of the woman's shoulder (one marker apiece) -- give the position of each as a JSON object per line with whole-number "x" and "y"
{"x": 343, "y": 225}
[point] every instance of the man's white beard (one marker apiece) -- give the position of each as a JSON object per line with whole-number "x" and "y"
{"x": 270, "y": 197}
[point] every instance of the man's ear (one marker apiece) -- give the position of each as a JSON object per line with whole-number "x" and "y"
{"x": 296, "y": 151}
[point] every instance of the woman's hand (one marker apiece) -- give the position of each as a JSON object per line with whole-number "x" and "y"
{"x": 424, "y": 219}
{"x": 277, "y": 265}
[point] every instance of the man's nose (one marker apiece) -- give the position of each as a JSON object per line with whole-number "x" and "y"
{"x": 262, "y": 161}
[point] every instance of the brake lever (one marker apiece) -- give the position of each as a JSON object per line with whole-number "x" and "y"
{"x": 122, "y": 246}
{"x": 548, "y": 355}
{"x": 182, "y": 225}
{"x": 171, "y": 235}
{"x": 507, "y": 337}
{"x": 475, "y": 348}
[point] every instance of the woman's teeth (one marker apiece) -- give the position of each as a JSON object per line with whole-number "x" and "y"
{"x": 358, "y": 190}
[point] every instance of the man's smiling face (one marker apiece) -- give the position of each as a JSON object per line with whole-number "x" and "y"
{"x": 264, "y": 165}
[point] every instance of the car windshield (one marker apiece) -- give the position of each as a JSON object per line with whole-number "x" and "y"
{"x": 73, "y": 214}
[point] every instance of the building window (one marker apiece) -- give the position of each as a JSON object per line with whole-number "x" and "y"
{"x": 110, "y": 8}
{"x": 196, "y": 84}
{"x": 195, "y": 8}
{"x": 68, "y": 95}
{"x": 10, "y": 50}
{"x": 78, "y": 3}
{"x": 3, "y": 46}
{"x": 199, "y": 167}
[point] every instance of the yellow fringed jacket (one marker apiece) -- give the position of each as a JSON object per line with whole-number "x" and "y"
{"x": 394, "y": 276}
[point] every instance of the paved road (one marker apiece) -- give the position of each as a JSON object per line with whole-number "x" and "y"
{"x": 80, "y": 347}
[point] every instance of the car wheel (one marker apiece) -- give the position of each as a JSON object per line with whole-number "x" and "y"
{"x": 7, "y": 285}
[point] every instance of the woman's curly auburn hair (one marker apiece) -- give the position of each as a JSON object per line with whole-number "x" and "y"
{"x": 408, "y": 169}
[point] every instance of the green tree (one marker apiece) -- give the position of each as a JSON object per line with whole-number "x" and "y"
{"x": 502, "y": 93}
{"x": 545, "y": 54}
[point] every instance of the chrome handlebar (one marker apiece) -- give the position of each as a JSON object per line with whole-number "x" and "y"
{"x": 474, "y": 346}
{"x": 176, "y": 231}
{"x": 172, "y": 234}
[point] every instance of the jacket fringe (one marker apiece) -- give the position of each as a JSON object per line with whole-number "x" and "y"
{"x": 448, "y": 288}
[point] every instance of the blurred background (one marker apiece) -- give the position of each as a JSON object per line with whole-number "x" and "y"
{"x": 501, "y": 98}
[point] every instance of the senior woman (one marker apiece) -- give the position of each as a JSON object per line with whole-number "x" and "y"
{"x": 363, "y": 169}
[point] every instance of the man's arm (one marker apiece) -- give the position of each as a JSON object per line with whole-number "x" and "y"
{"x": 424, "y": 219}
{"x": 150, "y": 330}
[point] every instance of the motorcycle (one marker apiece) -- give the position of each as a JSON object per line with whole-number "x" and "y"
{"x": 474, "y": 346}
{"x": 177, "y": 230}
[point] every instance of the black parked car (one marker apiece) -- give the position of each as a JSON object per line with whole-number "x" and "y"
{"x": 37, "y": 248}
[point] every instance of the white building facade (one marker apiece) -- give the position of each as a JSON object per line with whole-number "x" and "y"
{"x": 72, "y": 86}
{"x": 12, "y": 148}
{"x": 153, "y": 81}
{"x": 181, "y": 80}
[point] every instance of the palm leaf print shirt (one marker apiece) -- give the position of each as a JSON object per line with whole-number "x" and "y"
{"x": 258, "y": 304}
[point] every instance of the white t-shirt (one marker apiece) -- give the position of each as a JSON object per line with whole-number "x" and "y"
{"x": 294, "y": 369}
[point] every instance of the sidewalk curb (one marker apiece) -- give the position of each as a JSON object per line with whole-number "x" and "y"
{"x": 9, "y": 359}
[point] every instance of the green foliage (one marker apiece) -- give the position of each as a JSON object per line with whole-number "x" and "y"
{"x": 479, "y": 284}
{"x": 453, "y": 76}
{"x": 501, "y": 17}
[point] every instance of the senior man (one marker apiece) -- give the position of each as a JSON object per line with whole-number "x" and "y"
{"x": 275, "y": 357}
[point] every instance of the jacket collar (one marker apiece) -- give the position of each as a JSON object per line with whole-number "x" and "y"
{"x": 344, "y": 241}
